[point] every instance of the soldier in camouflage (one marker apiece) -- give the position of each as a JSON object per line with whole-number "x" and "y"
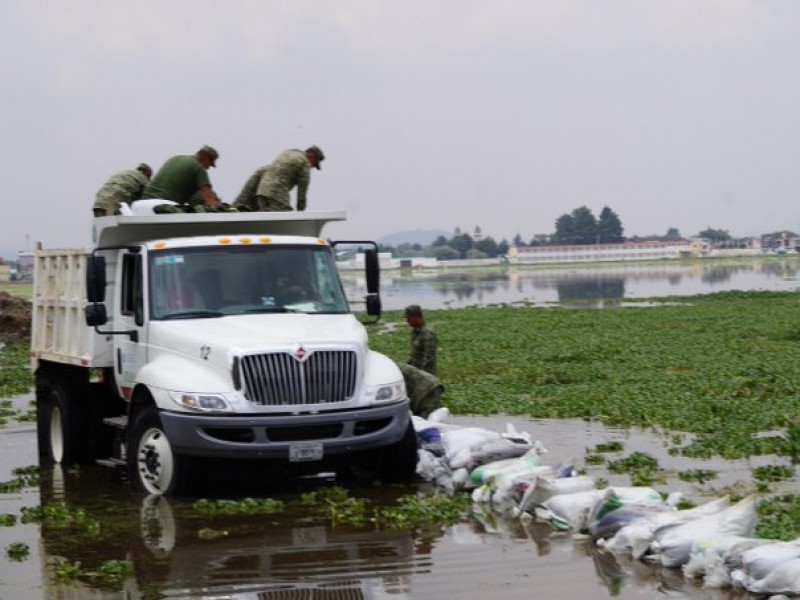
{"x": 125, "y": 186}
{"x": 424, "y": 390}
{"x": 422, "y": 385}
{"x": 423, "y": 341}
{"x": 268, "y": 188}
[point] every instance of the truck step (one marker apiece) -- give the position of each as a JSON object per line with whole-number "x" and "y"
{"x": 117, "y": 422}
{"x": 112, "y": 463}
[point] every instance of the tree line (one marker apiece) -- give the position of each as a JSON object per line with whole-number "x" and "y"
{"x": 579, "y": 227}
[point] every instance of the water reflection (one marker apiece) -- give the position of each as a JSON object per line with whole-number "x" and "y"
{"x": 587, "y": 285}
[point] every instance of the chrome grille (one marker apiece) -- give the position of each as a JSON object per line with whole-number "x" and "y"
{"x": 279, "y": 379}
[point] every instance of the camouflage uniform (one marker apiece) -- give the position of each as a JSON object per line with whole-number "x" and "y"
{"x": 424, "y": 390}
{"x": 247, "y": 197}
{"x": 423, "y": 349}
{"x": 125, "y": 186}
{"x": 291, "y": 168}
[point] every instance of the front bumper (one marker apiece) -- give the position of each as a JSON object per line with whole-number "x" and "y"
{"x": 271, "y": 436}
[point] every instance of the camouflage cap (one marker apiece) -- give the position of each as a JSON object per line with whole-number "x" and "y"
{"x": 320, "y": 154}
{"x": 413, "y": 310}
{"x": 144, "y": 168}
{"x": 211, "y": 153}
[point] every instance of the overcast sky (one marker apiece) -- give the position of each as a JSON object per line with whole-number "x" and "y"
{"x": 503, "y": 114}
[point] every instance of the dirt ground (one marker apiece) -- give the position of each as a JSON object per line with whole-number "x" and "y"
{"x": 15, "y": 318}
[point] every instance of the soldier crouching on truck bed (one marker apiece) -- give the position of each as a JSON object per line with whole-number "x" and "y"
{"x": 125, "y": 186}
{"x": 268, "y": 188}
{"x": 184, "y": 179}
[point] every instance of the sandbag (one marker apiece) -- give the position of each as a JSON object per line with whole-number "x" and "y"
{"x": 569, "y": 511}
{"x": 674, "y": 542}
{"x": 531, "y": 458}
{"x": 489, "y": 451}
{"x": 783, "y": 579}
{"x": 544, "y": 488}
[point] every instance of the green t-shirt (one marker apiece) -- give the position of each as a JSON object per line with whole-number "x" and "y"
{"x": 179, "y": 179}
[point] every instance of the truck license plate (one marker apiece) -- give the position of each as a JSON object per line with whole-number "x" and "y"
{"x": 305, "y": 452}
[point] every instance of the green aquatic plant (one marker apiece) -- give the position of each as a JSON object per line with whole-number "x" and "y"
{"x": 698, "y": 475}
{"x": 17, "y": 551}
{"x": 612, "y": 446}
{"x": 59, "y": 516}
{"x": 245, "y": 506}
{"x": 7, "y": 520}
{"x": 779, "y": 517}
{"x": 772, "y": 473}
{"x": 15, "y": 371}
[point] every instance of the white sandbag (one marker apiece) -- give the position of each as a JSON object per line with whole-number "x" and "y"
{"x": 758, "y": 562}
{"x": 720, "y": 576}
{"x": 440, "y": 415}
{"x": 570, "y": 511}
{"x": 457, "y": 439}
{"x": 637, "y": 537}
{"x": 489, "y": 451}
{"x": 544, "y": 488}
{"x": 619, "y": 496}
{"x": 434, "y": 469}
{"x": 508, "y": 488}
{"x": 146, "y": 206}
{"x": 520, "y": 464}
{"x": 460, "y": 478}
{"x": 783, "y": 579}
{"x": 708, "y": 554}
{"x": 674, "y": 542}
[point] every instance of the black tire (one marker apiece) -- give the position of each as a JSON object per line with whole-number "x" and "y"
{"x": 400, "y": 460}
{"x": 154, "y": 467}
{"x": 397, "y": 462}
{"x": 63, "y": 421}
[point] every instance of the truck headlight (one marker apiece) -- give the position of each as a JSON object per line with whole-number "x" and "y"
{"x": 390, "y": 392}
{"x": 201, "y": 402}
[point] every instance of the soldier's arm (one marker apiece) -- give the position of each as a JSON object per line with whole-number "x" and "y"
{"x": 302, "y": 187}
{"x": 208, "y": 196}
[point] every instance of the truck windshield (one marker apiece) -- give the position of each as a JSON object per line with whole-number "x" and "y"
{"x": 207, "y": 282}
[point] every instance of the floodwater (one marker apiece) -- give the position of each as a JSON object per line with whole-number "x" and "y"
{"x": 175, "y": 555}
{"x": 590, "y": 285}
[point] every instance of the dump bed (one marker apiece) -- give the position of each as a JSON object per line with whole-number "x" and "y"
{"x": 58, "y": 328}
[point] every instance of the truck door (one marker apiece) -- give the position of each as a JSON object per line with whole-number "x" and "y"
{"x": 131, "y": 350}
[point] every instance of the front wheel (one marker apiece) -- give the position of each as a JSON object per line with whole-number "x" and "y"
{"x": 154, "y": 467}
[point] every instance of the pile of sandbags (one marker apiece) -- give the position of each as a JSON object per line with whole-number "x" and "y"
{"x": 506, "y": 474}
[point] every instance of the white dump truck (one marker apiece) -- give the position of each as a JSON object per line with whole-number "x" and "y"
{"x": 183, "y": 338}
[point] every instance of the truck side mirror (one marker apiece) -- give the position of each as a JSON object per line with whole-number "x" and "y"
{"x": 96, "y": 315}
{"x": 374, "y": 305}
{"x": 373, "y": 270}
{"x": 96, "y": 278}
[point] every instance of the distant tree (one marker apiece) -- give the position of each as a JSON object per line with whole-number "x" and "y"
{"x": 440, "y": 241}
{"x": 672, "y": 234}
{"x": 578, "y": 227}
{"x": 462, "y": 243}
{"x": 517, "y": 241}
{"x": 609, "y": 227}
{"x": 488, "y": 246}
{"x": 715, "y": 236}
{"x": 502, "y": 247}
{"x": 443, "y": 252}
{"x": 475, "y": 253}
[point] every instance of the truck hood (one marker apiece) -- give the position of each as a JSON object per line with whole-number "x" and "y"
{"x": 215, "y": 338}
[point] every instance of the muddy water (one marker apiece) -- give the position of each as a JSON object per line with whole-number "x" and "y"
{"x": 177, "y": 555}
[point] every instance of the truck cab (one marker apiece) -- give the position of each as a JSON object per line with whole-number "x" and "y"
{"x": 224, "y": 336}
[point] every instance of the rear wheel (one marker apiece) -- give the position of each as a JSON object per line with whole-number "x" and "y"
{"x": 63, "y": 421}
{"x": 154, "y": 467}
